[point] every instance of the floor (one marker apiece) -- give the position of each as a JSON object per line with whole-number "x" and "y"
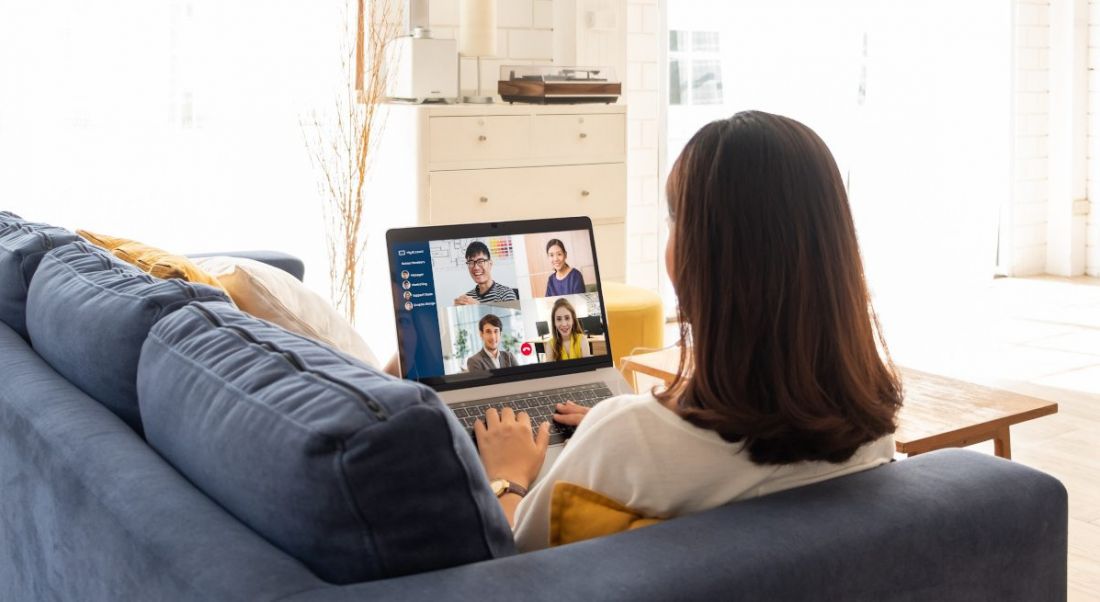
{"x": 1040, "y": 337}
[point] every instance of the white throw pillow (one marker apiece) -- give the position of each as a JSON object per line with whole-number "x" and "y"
{"x": 271, "y": 294}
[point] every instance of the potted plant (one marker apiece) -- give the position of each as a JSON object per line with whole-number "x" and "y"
{"x": 342, "y": 142}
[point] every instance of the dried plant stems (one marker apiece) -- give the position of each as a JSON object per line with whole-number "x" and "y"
{"x": 342, "y": 144}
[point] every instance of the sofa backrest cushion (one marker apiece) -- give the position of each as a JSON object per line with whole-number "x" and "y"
{"x": 22, "y": 245}
{"x": 88, "y": 314}
{"x": 359, "y": 475}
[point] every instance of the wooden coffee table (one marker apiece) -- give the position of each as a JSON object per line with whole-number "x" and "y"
{"x": 938, "y": 411}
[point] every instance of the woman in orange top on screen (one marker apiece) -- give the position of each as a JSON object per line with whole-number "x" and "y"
{"x": 784, "y": 379}
{"x": 567, "y": 341}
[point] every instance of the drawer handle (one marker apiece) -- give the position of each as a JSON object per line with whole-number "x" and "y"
{"x": 482, "y": 138}
{"x": 484, "y": 199}
{"x": 583, "y": 135}
{"x": 585, "y": 193}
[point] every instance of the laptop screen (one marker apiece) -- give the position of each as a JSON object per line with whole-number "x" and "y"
{"x": 477, "y": 304}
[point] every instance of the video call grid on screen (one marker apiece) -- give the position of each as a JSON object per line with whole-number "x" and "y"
{"x": 452, "y": 317}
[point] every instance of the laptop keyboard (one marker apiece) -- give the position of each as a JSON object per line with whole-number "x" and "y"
{"x": 539, "y": 405}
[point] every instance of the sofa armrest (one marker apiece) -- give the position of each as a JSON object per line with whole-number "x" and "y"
{"x": 286, "y": 262}
{"x": 949, "y": 525}
{"x": 88, "y": 511}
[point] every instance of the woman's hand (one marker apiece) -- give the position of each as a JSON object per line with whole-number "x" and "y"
{"x": 392, "y": 368}
{"x": 569, "y": 413}
{"x": 507, "y": 448}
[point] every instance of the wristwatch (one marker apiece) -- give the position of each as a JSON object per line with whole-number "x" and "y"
{"x": 502, "y": 486}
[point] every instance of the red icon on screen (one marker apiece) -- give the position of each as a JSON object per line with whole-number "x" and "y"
{"x": 525, "y": 349}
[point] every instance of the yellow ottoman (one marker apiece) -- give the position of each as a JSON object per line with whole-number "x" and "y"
{"x": 636, "y": 319}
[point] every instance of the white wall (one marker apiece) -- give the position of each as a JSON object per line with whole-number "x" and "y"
{"x": 1068, "y": 137}
{"x": 1092, "y": 251}
{"x": 1048, "y": 182}
{"x": 524, "y": 37}
{"x": 1027, "y": 225}
{"x": 645, "y": 216}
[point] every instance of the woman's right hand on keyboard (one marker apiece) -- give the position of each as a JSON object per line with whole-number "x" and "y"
{"x": 569, "y": 413}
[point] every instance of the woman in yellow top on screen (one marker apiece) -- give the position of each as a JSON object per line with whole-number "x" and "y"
{"x": 567, "y": 340}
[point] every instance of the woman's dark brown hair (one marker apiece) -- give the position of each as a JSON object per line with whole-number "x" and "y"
{"x": 782, "y": 348}
{"x": 553, "y": 242}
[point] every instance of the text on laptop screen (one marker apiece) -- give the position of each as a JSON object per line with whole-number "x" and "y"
{"x": 473, "y": 308}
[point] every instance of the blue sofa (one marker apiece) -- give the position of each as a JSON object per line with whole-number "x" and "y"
{"x": 89, "y": 510}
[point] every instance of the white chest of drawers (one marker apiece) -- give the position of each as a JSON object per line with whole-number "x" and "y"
{"x": 476, "y": 163}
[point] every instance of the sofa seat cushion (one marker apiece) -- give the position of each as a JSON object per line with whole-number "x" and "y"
{"x": 22, "y": 246}
{"x": 88, "y": 314}
{"x": 359, "y": 475}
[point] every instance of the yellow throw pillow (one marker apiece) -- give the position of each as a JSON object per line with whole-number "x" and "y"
{"x": 151, "y": 260}
{"x": 577, "y": 514}
{"x": 271, "y": 294}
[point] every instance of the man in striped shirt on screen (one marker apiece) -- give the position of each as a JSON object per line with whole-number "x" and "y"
{"x": 480, "y": 264}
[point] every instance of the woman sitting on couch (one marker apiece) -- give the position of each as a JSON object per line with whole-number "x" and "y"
{"x": 784, "y": 378}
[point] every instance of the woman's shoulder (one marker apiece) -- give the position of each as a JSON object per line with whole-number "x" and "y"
{"x": 631, "y": 408}
{"x": 643, "y": 411}
{"x": 617, "y": 406}
{"x": 574, "y": 277}
{"x": 625, "y": 402}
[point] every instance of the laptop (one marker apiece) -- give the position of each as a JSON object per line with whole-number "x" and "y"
{"x": 483, "y": 318}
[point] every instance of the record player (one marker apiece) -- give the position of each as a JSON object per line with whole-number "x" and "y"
{"x": 562, "y": 85}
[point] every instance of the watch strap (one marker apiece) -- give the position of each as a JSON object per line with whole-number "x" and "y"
{"x": 510, "y": 487}
{"x": 516, "y": 489}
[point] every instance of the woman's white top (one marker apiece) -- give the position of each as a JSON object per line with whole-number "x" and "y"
{"x": 640, "y": 453}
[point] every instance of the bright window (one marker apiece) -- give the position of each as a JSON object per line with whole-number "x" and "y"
{"x": 174, "y": 122}
{"x": 915, "y": 108}
{"x": 694, "y": 68}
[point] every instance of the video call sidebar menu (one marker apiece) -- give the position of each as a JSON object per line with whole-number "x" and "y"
{"x": 417, "y": 317}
